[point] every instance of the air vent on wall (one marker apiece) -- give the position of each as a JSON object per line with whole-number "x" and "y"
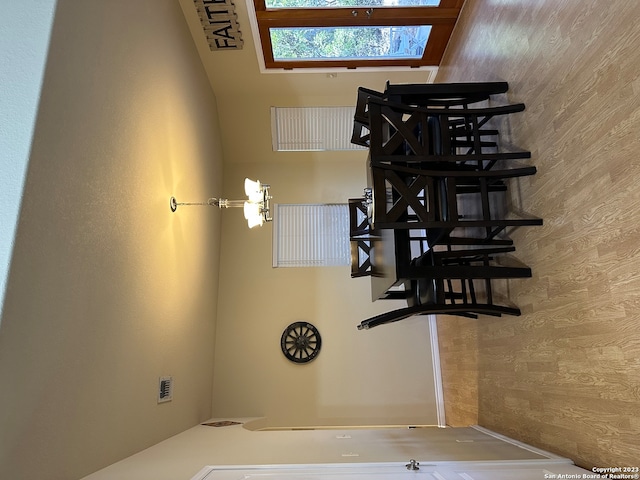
{"x": 165, "y": 389}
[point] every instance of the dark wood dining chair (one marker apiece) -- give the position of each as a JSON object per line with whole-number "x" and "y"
{"x": 415, "y": 198}
{"x": 453, "y": 262}
{"x": 359, "y": 218}
{"x": 428, "y": 95}
{"x": 456, "y": 294}
{"x": 430, "y": 136}
{"x": 443, "y": 94}
{"x": 435, "y": 309}
{"x": 360, "y": 257}
{"x": 360, "y": 135}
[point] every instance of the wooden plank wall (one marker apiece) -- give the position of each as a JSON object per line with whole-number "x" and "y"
{"x": 566, "y": 375}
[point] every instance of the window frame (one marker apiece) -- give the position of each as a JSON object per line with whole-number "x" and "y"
{"x": 442, "y": 20}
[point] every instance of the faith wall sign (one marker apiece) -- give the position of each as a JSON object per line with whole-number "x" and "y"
{"x": 220, "y": 24}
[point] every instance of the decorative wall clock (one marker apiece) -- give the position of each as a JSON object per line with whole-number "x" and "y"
{"x": 300, "y": 342}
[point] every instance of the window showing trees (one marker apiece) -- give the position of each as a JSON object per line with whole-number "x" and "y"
{"x": 348, "y": 43}
{"x": 354, "y": 33}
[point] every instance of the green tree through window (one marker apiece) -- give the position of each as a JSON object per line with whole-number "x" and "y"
{"x": 354, "y": 33}
{"x": 309, "y": 43}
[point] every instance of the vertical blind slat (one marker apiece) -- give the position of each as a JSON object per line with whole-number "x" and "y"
{"x": 312, "y": 128}
{"x": 311, "y": 235}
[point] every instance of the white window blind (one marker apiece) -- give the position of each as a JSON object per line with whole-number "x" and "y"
{"x": 312, "y": 128}
{"x": 311, "y": 235}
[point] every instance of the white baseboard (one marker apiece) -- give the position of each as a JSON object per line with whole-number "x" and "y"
{"x": 437, "y": 373}
{"x": 517, "y": 443}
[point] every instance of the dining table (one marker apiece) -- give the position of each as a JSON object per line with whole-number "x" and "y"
{"x": 421, "y": 191}
{"x": 435, "y": 201}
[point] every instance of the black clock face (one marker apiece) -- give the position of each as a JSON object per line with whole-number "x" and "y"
{"x": 300, "y": 342}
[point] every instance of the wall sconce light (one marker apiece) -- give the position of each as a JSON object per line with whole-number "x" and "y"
{"x": 257, "y": 207}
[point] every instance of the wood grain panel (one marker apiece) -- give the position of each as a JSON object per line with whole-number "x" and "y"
{"x": 565, "y": 376}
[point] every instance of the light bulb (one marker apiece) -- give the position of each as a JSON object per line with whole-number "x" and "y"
{"x": 253, "y": 214}
{"x": 254, "y": 190}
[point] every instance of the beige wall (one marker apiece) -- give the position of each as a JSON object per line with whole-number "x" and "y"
{"x": 380, "y": 377}
{"x": 107, "y": 289}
